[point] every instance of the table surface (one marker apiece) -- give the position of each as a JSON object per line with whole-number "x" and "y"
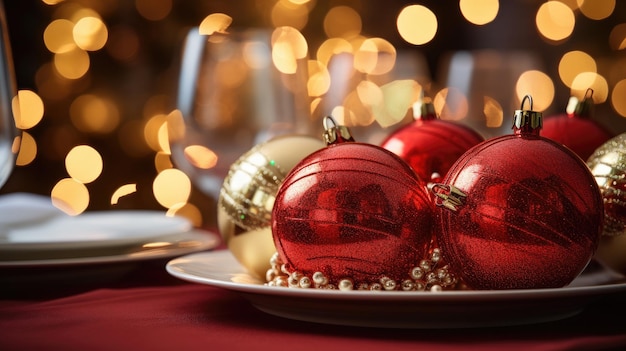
{"x": 142, "y": 307}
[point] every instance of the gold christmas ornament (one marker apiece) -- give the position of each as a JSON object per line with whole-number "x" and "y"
{"x": 611, "y": 252}
{"x": 247, "y": 197}
{"x": 608, "y": 166}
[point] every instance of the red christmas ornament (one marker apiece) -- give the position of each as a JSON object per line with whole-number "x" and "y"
{"x": 519, "y": 211}
{"x": 352, "y": 213}
{"x": 431, "y": 145}
{"x": 575, "y": 128}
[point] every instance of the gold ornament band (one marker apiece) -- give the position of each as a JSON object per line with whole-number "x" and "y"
{"x": 425, "y": 276}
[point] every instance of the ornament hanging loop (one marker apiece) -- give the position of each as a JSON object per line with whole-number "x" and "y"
{"x": 327, "y": 121}
{"x": 581, "y": 107}
{"x": 334, "y": 133}
{"x": 586, "y": 107}
{"x": 530, "y": 102}
{"x": 424, "y": 108}
{"x": 527, "y": 122}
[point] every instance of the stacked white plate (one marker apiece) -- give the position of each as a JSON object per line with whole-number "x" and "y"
{"x": 34, "y": 233}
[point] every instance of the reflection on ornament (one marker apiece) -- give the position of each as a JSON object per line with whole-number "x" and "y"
{"x": 431, "y": 145}
{"x": 527, "y": 211}
{"x": 576, "y": 129}
{"x": 351, "y": 210}
{"x": 247, "y": 197}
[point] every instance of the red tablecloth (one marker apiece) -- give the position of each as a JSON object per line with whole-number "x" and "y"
{"x": 146, "y": 309}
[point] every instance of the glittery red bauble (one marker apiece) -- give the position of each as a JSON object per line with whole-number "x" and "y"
{"x": 581, "y": 135}
{"x": 527, "y": 213}
{"x": 576, "y": 129}
{"x": 431, "y": 146}
{"x": 352, "y": 210}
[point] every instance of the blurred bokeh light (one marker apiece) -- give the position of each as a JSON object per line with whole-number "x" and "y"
{"x": 417, "y": 24}
{"x": 97, "y": 79}
{"x": 555, "y": 20}
{"x": 479, "y": 11}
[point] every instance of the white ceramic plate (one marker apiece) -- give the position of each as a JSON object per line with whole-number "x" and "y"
{"x": 167, "y": 247}
{"x": 19, "y": 208}
{"x": 91, "y": 230}
{"x": 447, "y": 309}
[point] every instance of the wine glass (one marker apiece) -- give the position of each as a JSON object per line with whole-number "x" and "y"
{"x": 8, "y": 131}
{"x": 232, "y": 96}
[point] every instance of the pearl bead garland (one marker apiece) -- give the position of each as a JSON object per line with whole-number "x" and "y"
{"x": 425, "y": 276}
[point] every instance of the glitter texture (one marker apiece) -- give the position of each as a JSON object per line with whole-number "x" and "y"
{"x": 352, "y": 210}
{"x": 431, "y": 146}
{"x": 532, "y": 216}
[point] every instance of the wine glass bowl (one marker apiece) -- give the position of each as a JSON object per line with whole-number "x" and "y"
{"x": 231, "y": 97}
{"x": 9, "y": 144}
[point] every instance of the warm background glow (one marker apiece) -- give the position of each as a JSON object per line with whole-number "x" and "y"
{"x": 154, "y": 10}
{"x": 479, "y": 11}
{"x": 123, "y": 191}
{"x": 27, "y": 150}
{"x": 70, "y": 196}
{"x": 58, "y": 36}
{"x": 593, "y": 81}
{"x": 215, "y": 22}
{"x": 84, "y": 164}
{"x": 30, "y": 110}
{"x": 288, "y": 47}
{"x": 342, "y": 21}
{"x": 172, "y": 188}
{"x": 90, "y": 33}
{"x": 375, "y": 56}
{"x": 617, "y": 98}
{"x": 574, "y": 63}
{"x": 539, "y": 86}
{"x": 417, "y": 24}
{"x": 450, "y": 104}
{"x": 555, "y": 20}
{"x": 617, "y": 38}
{"x": 97, "y": 80}
{"x": 94, "y": 114}
{"x": 596, "y": 9}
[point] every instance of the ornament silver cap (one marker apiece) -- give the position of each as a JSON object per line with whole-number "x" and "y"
{"x": 527, "y": 121}
{"x": 424, "y": 109}
{"x": 581, "y": 108}
{"x": 334, "y": 134}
